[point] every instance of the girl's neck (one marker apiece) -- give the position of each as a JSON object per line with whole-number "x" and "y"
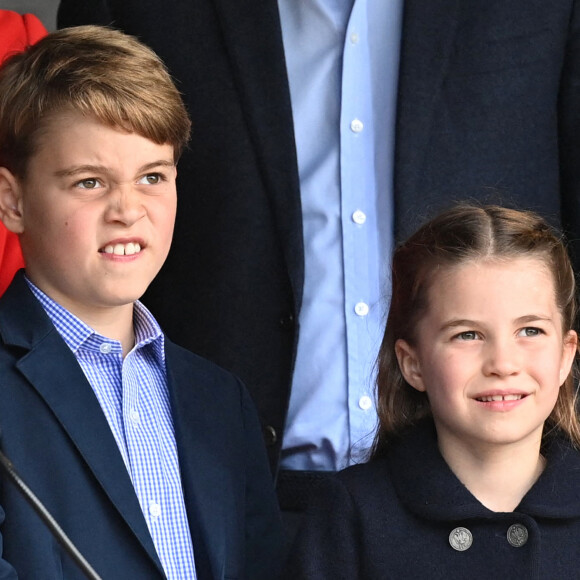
{"x": 498, "y": 476}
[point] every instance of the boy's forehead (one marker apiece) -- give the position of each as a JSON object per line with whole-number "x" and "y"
{"x": 73, "y": 134}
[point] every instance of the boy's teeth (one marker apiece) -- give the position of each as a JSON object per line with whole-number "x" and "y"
{"x": 123, "y": 249}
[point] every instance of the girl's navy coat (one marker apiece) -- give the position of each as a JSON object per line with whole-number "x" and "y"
{"x": 392, "y": 518}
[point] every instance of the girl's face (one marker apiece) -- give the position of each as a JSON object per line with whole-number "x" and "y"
{"x": 490, "y": 353}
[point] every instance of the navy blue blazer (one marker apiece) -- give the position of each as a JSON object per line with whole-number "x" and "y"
{"x": 392, "y": 519}
{"x": 56, "y": 434}
{"x": 488, "y": 109}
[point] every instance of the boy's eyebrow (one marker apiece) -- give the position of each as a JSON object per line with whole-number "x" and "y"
{"x": 76, "y": 169}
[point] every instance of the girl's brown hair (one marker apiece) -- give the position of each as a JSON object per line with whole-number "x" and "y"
{"x": 462, "y": 234}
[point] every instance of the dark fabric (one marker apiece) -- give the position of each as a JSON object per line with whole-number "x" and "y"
{"x": 391, "y": 518}
{"x": 54, "y": 431}
{"x": 488, "y": 109}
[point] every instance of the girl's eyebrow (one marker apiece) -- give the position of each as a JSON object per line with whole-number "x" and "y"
{"x": 454, "y": 323}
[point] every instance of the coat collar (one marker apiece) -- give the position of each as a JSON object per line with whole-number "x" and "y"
{"x": 428, "y": 487}
{"x": 51, "y": 368}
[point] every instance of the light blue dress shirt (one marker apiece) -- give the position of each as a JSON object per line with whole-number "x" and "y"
{"x": 134, "y": 397}
{"x": 343, "y": 62}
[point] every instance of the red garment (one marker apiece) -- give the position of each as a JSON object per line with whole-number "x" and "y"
{"x": 17, "y": 31}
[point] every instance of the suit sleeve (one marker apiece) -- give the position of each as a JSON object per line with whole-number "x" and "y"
{"x": 75, "y": 13}
{"x": 7, "y": 572}
{"x": 327, "y": 546}
{"x": 569, "y": 136}
{"x": 263, "y": 524}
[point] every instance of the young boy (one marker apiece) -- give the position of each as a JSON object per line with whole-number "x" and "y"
{"x": 149, "y": 457}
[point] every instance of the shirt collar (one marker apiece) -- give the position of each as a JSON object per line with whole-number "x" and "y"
{"x": 77, "y": 334}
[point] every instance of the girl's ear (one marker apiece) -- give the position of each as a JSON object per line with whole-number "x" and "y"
{"x": 409, "y": 364}
{"x": 569, "y": 350}
{"x": 11, "y": 201}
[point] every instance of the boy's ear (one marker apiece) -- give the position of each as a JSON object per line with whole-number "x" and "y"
{"x": 409, "y": 364}
{"x": 11, "y": 201}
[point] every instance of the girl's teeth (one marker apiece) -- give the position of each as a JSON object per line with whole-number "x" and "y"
{"x": 500, "y": 398}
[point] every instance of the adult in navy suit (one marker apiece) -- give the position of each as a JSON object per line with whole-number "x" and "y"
{"x": 56, "y": 435}
{"x": 488, "y": 108}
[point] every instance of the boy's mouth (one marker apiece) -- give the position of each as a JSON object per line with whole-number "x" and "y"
{"x": 122, "y": 249}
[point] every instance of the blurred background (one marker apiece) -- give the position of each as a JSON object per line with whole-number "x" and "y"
{"x": 44, "y": 9}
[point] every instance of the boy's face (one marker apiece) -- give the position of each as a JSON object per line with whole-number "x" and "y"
{"x": 95, "y": 213}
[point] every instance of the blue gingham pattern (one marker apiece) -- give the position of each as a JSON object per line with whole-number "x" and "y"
{"x": 134, "y": 397}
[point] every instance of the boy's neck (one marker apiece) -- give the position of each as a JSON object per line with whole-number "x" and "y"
{"x": 498, "y": 476}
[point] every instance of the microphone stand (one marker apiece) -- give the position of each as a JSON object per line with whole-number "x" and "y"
{"x": 47, "y": 518}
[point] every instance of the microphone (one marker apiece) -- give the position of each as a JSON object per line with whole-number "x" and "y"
{"x": 47, "y": 518}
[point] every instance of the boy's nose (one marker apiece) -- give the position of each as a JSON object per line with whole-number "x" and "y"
{"x": 125, "y": 206}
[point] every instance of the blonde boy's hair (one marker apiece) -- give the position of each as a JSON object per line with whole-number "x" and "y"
{"x": 95, "y": 71}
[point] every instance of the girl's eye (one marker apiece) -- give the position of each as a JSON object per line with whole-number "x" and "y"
{"x": 468, "y": 335}
{"x": 90, "y": 183}
{"x": 530, "y": 331}
{"x": 151, "y": 179}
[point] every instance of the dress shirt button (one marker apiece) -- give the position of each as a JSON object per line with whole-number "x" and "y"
{"x": 356, "y": 126}
{"x": 359, "y": 217}
{"x": 361, "y": 309}
{"x": 517, "y": 535}
{"x": 105, "y": 347}
{"x": 134, "y": 415}
{"x": 354, "y": 38}
{"x": 460, "y": 539}
{"x": 365, "y": 403}
{"x": 270, "y": 435}
{"x": 154, "y": 509}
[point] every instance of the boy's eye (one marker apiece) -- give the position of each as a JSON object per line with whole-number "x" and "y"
{"x": 90, "y": 183}
{"x": 468, "y": 335}
{"x": 530, "y": 331}
{"x": 151, "y": 179}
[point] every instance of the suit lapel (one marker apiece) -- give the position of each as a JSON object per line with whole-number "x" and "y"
{"x": 202, "y": 476}
{"x": 52, "y": 369}
{"x": 253, "y": 39}
{"x": 428, "y": 35}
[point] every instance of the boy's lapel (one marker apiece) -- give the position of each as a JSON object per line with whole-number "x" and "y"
{"x": 205, "y": 483}
{"x": 52, "y": 369}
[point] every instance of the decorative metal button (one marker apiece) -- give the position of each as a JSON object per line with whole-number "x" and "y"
{"x": 460, "y": 539}
{"x": 517, "y": 535}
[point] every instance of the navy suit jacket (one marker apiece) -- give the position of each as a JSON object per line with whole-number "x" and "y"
{"x": 488, "y": 109}
{"x": 56, "y": 434}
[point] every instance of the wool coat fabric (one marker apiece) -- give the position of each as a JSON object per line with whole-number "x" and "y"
{"x": 488, "y": 109}
{"x": 396, "y": 518}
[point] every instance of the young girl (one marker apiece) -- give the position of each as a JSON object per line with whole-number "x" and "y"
{"x": 475, "y": 471}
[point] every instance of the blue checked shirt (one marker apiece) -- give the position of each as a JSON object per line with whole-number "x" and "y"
{"x": 134, "y": 397}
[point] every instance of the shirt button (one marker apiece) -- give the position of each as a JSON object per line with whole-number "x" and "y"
{"x": 354, "y": 38}
{"x": 105, "y": 348}
{"x": 356, "y": 126}
{"x": 361, "y": 309}
{"x": 359, "y": 217}
{"x": 154, "y": 509}
{"x": 365, "y": 403}
{"x": 134, "y": 415}
{"x": 517, "y": 535}
{"x": 460, "y": 539}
